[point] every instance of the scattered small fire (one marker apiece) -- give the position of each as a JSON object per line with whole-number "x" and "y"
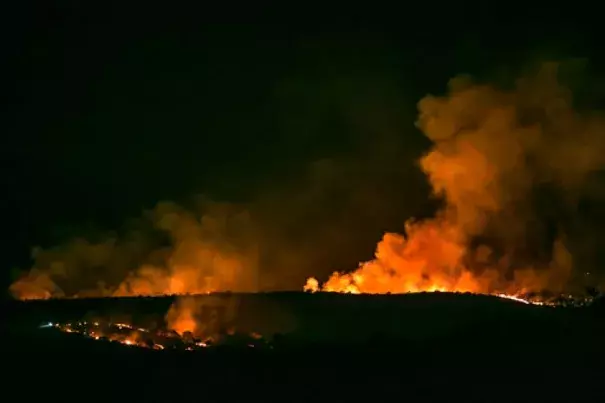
{"x": 519, "y": 299}
{"x": 158, "y": 339}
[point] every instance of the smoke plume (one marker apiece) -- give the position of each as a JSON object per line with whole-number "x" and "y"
{"x": 509, "y": 167}
{"x": 500, "y": 160}
{"x": 205, "y": 318}
{"x": 202, "y": 253}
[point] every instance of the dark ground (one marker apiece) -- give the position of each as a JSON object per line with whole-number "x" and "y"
{"x": 492, "y": 350}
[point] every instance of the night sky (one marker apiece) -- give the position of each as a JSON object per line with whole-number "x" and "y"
{"x": 117, "y": 109}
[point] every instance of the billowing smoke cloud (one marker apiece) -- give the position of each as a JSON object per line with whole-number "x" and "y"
{"x": 203, "y": 253}
{"x": 205, "y": 318}
{"x": 326, "y": 215}
{"x": 495, "y": 156}
{"x": 510, "y": 166}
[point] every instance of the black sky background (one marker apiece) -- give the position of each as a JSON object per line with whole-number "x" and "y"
{"x": 111, "y": 109}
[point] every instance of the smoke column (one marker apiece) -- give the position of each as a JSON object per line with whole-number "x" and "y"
{"x": 494, "y": 153}
{"x": 214, "y": 251}
{"x": 507, "y": 166}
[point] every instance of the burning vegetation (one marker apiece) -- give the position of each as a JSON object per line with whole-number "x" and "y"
{"x": 495, "y": 154}
{"x": 491, "y": 150}
{"x": 156, "y": 339}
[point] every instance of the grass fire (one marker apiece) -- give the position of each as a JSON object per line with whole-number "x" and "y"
{"x": 493, "y": 153}
{"x": 156, "y": 339}
{"x": 303, "y": 211}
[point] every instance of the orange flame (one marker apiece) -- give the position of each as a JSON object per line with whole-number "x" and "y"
{"x": 429, "y": 259}
{"x": 482, "y": 139}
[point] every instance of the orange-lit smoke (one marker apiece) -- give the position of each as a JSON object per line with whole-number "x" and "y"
{"x": 181, "y": 317}
{"x": 491, "y": 149}
{"x": 205, "y": 254}
{"x": 202, "y": 317}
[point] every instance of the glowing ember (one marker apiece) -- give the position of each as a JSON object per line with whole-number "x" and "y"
{"x": 129, "y": 335}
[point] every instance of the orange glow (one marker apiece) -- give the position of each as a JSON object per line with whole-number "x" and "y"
{"x": 201, "y": 258}
{"x": 183, "y": 322}
{"x": 429, "y": 259}
{"x": 492, "y": 154}
{"x": 478, "y": 166}
{"x": 114, "y": 333}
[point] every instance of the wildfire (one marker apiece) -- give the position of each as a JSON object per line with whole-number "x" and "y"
{"x": 129, "y": 335}
{"x": 482, "y": 139}
{"x": 494, "y": 152}
{"x": 312, "y": 285}
{"x": 427, "y": 260}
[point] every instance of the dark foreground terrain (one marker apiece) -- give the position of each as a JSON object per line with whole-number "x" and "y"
{"x": 330, "y": 348}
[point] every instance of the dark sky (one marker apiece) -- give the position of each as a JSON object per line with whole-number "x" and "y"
{"x": 112, "y": 110}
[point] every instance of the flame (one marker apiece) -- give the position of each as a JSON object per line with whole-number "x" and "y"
{"x": 482, "y": 139}
{"x": 184, "y": 322}
{"x": 428, "y": 259}
{"x": 35, "y": 285}
{"x": 153, "y": 339}
{"x": 203, "y": 256}
{"x": 492, "y": 150}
